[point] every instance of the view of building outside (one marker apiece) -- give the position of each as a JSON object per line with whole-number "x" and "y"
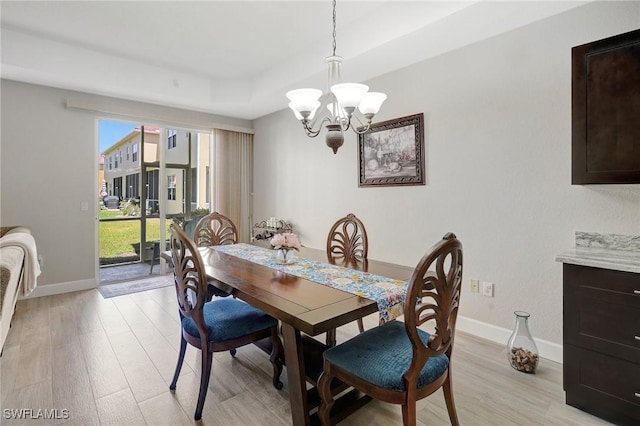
{"x": 122, "y": 168}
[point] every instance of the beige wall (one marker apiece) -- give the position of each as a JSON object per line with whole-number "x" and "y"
{"x": 41, "y": 188}
{"x": 498, "y": 146}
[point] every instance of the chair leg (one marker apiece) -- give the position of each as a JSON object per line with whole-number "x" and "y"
{"x": 360, "y": 325}
{"x": 448, "y": 399}
{"x": 409, "y": 413}
{"x": 204, "y": 382}
{"x": 326, "y": 399}
{"x": 276, "y": 358}
{"x": 156, "y": 255}
{"x": 183, "y": 349}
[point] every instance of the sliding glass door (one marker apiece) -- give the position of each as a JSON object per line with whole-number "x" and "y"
{"x": 150, "y": 177}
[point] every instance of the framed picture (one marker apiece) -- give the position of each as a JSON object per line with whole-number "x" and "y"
{"x": 392, "y": 152}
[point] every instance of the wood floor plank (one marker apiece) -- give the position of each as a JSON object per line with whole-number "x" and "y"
{"x": 144, "y": 379}
{"x": 105, "y": 374}
{"x": 71, "y": 385}
{"x": 191, "y": 358}
{"x": 186, "y": 394}
{"x": 63, "y": 325}
{"x": 15, "y": 331}
{"x": 34, "y": 361}
{"x": 565, "y": 415}
{"x": 252, "y": 377}
{"x": 130, "y": 311}
{"x": 166, "y": 298}
{"x": 167, "y": 323}
{"x": 35, "y": 312}
{"x": 110, "y": 317}
{"x": 87, "y": 311}
{"x": 8, "y": 372}
{"x": 164, "y": 409}
{"x": 224, "y": 383}
{"x": 163, "y": 355}
{"x": 385, "y": 415}
{"x": 245, "y": 409}
{"x": 34, "y": 397}
{"x": 119, "y": 409}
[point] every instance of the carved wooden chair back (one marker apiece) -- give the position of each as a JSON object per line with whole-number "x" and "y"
{"x": 190, "y": 279}
{"x": 404, "y": 362}
{"x": 347, "y": 241}
{"x": 438, "y": 290}
{"x": 347, "y": 245}
{"x": 215, "y": 229}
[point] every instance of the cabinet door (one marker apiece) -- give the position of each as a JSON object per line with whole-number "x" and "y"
{"x": 602, "y": 311}
{"x": 605, "y": 110}
{"x": 602, "y": 385}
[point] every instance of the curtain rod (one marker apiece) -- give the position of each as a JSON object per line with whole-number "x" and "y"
{"x": 87, "y": 106}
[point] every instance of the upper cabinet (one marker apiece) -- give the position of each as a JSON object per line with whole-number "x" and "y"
{"x": 606, "y": 111}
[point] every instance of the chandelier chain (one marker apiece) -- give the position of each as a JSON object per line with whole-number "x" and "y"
{"x": 334, "y": 28}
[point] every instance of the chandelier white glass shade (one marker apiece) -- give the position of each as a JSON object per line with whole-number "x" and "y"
{"x": 349, "y": 105}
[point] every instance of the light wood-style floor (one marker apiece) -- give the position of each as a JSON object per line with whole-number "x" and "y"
{"x": 110, "y": 362}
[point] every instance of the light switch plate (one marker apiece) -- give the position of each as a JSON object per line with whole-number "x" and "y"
{"x": 487, "y": 289}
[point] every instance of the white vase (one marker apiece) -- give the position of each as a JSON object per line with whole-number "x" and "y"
{"x": 285, "y": 256}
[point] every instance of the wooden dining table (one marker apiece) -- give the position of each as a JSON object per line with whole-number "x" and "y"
{"x": 304, "y": 308}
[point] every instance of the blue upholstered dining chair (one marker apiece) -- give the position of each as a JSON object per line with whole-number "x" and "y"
{"x": 398, "y": 362}
{"x": 216, "y": 325}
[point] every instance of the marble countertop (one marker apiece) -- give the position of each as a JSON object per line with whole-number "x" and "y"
{"x": 617, "y": 260}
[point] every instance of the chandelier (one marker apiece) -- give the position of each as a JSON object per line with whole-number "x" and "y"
{"x": 341, "y": 102}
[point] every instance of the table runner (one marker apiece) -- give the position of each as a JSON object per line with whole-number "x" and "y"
{"x": 388, "y": 293}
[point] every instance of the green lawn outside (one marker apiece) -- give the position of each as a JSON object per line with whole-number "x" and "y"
{"x": 119, "y": 240}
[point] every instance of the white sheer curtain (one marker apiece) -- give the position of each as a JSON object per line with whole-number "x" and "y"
{"x": 233, "y": 178}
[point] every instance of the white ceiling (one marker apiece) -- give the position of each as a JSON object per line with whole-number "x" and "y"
{"x": 236, "y": 58}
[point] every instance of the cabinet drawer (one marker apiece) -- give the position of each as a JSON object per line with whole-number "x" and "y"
{"x": 610, "y": 328}
{"x": 602, "y": 385}
{"x": 620, "y": 282}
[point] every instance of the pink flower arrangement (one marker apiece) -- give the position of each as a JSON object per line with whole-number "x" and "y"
{"x": 286, "y": 240}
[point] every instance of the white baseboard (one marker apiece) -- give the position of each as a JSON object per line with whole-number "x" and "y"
{"x": 68, "y": 287}
{"x": 548, "y": 350}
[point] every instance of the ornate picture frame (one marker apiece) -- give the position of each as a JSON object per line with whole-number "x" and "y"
{"x": 391, "y": 153}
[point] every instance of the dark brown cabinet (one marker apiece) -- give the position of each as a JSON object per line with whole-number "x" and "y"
{"x": 602, "y": 342}
{"x": 606, "y": 111}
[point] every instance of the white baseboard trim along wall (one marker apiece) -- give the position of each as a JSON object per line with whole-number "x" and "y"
{"x": 548, "y": 350}
{"x": 59, "y": 288}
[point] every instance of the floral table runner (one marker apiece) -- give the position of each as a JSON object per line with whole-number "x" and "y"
{"x": 387, "y": 292}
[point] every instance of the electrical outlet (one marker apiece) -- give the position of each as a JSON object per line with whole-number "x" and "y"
{"x": 487, "y": 289}
{"x": 475, "y": 286}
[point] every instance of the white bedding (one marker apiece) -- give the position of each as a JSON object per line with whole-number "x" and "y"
{"x": 31, "y": 267}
